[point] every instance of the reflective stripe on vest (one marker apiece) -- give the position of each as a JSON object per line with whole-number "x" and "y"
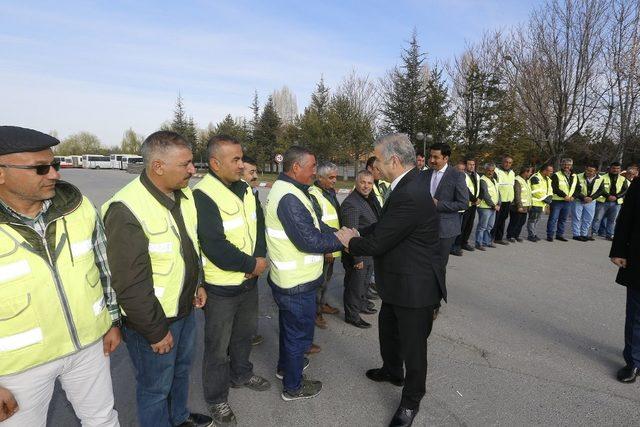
{"x": 240, "y": 227}
{"x": 50, "y": 311}
{"x": 541, "y": 190}
{"x": 505, "y": 182}
{"x": 329, "y": 212}
{"x": 289, "y": 266}
{"x": 167, "y": 263}
{"x": 606, "y": 182}
{"x": 475, "y": 191}
{"x": 582, "y": 179}
{"x": 525, "y": 192}
{"x": 492, "y": 188}
{"x": 564, "y": 185}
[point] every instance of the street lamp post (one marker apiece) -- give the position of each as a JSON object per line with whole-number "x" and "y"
{"x": 424, "y": 137}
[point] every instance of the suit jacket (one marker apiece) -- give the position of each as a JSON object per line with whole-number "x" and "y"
{"x": 405, "y": 246}
{"x": 357, "y": 213}
{"x": 626, "y": 240}
{"x": 453, "y": 196}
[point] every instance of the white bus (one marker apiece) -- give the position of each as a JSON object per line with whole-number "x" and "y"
{"x": 96, "y": 161}
{"x": 121, "y": 161}
{"x": 76, "y": 161}
{"x": 65, "y": 161}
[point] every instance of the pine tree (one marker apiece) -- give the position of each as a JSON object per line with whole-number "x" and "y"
{"x": 314, "y": 126}
{"x": 266, "y": 134}
{"x": 180, "y": 122}
{"x": 438, "y": 120}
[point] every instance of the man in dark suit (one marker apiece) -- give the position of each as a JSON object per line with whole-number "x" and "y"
{"x": 625, "y": 253}
{"x": 409, "y": 272}
{"x": 359, "y": 210}
{"x": 448, "y": 189}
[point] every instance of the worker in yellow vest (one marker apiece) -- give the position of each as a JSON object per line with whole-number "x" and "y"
{"x": 541, "y": 195}
{"x": 323, "y": 193}
{"x": 521, "y": 204}
{"x": 488, "y": 206}
{"x": 152, "y": 246}
{"x": 296, "y": 240}
{"x": 506, "y": 179}
{"x": 563, "y": 184}
{"x": 234, "y": 250}
{"x": 588, "y": 189}
{"x": 608, "y": 205}
{"x": 59, "y": 318}
{"x": 472, "y": 179}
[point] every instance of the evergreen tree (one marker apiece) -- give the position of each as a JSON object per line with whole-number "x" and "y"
{"x": 314, "y": 125}
{"x": 438, "y": 120}
{"x": 266, "y": 134}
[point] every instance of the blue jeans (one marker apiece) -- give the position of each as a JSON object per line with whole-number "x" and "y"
{"x": 296, "y": 318}
{"x": 486, "y": 219}
{"x": 608, "y": 211}
{"x": 162, "y": 380}
{"x": 582, "y": 214}
{"x": 558, "y": 217}
{"x": 631, "y": 351}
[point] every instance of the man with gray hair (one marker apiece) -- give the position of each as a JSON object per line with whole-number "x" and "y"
{"x": 409, "y": 271}
{"x": 324, "y": 193}
{"x": 563, "y": 184}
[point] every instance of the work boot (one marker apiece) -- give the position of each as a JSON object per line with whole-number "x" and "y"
{"x": 222, "y": 415}
{"x": 309, "y": 389}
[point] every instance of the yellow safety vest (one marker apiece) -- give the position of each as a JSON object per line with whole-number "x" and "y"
{"x": 582, "y": 179}
{"x": 505, "y": 182}
{"x": 606, "y": 182}
{"x": 165, "y": 250}
{"x": 289, "y": 266}
{"x": 475, "y": 191}
{"x": 565, "y": 186}
{"x": 525, "y": 192}
{"x": 329, "y": 213}
{"x": 50, "y": 307}
{"x": 240, "y": 227}
{"x": 492, "y": 188}
{"x": 541, "y": 190}
{"x": 381, "y": 195}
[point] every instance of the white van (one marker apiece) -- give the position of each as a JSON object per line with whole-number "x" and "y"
{"x": 96, "y": 161}
{"x": 121, "y": 161}
{"x": 65, "y": 161}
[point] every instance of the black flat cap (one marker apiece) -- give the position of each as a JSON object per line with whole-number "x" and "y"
{"x": 14, "y": 139}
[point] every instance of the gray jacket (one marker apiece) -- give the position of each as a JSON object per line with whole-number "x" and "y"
{"x": 453, "y": 196}
{"x": 356, "y": 212}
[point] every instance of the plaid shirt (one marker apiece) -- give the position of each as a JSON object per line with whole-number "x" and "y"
{"x": 99, "y": 249}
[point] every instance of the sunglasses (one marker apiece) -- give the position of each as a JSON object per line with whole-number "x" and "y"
{"x": 40, "y": 169}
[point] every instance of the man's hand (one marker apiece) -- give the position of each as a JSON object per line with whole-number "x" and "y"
{"x": 261, "y": 265}
{"x": 328, "y": 258}
{"x": 111, "y": 340}
{"x": 620, "y": 262}
{"x": 8, "y": 404}
{"x": 497, "y": 208}
{"x": 567, "y": 198}
{"x": 612, "y": 198}
{"x": 587, "y": 200}
{"x": 359, "y": 266}
{"x": 200, "y": 299}
{"x": 522, "y": 210}
{"x": 345, "y": 235}
{"x": 163, "y": 346}
{"x": 435, "y": 201}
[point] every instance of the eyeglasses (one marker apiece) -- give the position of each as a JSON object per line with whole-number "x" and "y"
{"x": 40, "y": 169}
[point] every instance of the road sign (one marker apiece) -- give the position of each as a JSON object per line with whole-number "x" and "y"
{"x": 279, "y": 158}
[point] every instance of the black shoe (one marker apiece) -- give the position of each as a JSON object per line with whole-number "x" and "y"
{"x": 532, "y": 239}
{"x": 381, "y": 375}
{"x": 280, "y": 374}
{"x": 359, "y": 323}
{"x": 501, "y": 242}
{"x": 456, "y": 253}
{"x": 403, "y": 417}
{"x": 309, "y": 389}
{"x": 537, "y": 238}
{"x": 549, "y": 239}
{"x": 368, "y": 311}
{"x": 468, "y": 247}
{"x": 223, "y": 415}
{"x": 578, "y": 238}
{"x": 511, "y": 240}
{"x": 628, "y": 374}
{"x": 561, "y": 239}
{"x": 197, "y": 420}
{"x": 610, "y": 238}
{"x": 519, "y": 240}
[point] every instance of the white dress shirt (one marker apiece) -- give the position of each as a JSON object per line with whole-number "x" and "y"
{"x": 397, "y": 180}
{"x": 436, "y": 177}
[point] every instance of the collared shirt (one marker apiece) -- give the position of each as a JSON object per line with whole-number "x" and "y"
{"x": 397, "y": 180}
{"x": 436, "y": 177}
{"x": 99, "y": 242}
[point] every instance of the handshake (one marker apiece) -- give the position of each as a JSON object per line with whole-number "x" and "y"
{"x": 346, "y": 234}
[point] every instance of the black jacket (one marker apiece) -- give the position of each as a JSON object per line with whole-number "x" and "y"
{"x": 405, "y": 245}
{"x": 626, "y": 240}
{"x": 358, "y": 212}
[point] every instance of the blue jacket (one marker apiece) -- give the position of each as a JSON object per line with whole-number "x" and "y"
{"x": 298, "y": 225}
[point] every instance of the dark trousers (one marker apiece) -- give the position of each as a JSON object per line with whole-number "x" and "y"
{"x": 558, "y": 217}
{"x": 467, "y": 225}
{"x": 516, "y": 222}
{"x": 445, "y": 248}
{"x": 356, "y": 283}
{"x": 321, "y": 296}
{"x": 631, "y": 351}
{"x": 162, "y": 380}
{"x": 229, "y": 325}
{"x": 501, "y": 220}
{"x": 403, "y": 334}
{"x": 296, "y": 318}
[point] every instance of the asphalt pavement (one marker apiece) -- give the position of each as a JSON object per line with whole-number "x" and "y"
{"x": 532, "y": 334}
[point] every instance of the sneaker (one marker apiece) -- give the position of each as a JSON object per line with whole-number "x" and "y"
{"x": 537, "y": 238}
{"x": 309, "y": 389}
{"x": 501, "y": 242}
{"x": 256, "y": 340}
{"x": 490, "y": 245}
{"x": 223, "y": 415}
{"x": 549, "y": 239}
{"x": 256, "y": 383}
{"x": 480, "y": 248}
{"x": 628, "y": 374}
{"x": 532, "y": 239}
{"x": 197, "y": 420}
{"x": 280, "y": 374}
{"x": 590, "y": 238}
{"x": 519, "y": 240}
{"x": 561, "y": 239}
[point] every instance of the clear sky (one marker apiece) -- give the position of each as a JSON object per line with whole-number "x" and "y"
{"x": 105, "y": 66}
